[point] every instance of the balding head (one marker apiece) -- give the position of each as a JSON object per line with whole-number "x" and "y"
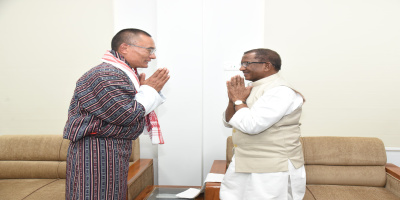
{"x": 267, "y": 55}
{"x": 127, "y": 36}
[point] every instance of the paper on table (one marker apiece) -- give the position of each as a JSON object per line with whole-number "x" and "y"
{"x": 189, "y": 193}
{"x": 211, "y": 177}
{"x": 166, "y": 196}
{"x": 192, "y": 192}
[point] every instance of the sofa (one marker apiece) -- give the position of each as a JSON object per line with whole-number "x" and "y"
{"x": 351, "y": 168}
{"x": 33, "y": 167}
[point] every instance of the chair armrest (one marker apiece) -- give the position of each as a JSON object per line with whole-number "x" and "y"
{"x": 393, "y": 170}
{"x": 212, "y": 189}
{"x": 393, "y": 179}
{"x": 140, "y": 175}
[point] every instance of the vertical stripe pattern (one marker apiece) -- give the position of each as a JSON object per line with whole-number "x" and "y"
{"x": 97, "y": 168}
{"x": 103, "y": 119}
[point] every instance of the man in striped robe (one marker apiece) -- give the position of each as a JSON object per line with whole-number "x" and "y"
{"x": 110, "y": 107}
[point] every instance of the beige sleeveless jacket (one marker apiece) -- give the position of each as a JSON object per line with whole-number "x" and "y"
{"x": 269, "y": 150}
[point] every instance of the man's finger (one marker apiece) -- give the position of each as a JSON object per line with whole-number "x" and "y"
{"x": 238, "y": 79}
{"x": 234, "y": 80}
{"x": 163, "y": 76}
{"x": 165, "y": 79}
{"x": 242, "y": 81}
{"x": 228, "y": 84}
{"x": 142, "y": 77}
{"x": 158, "y": 72}
{"x": 162, "y": 72}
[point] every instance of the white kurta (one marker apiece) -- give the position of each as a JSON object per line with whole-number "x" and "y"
{"x": 266, "y": 111}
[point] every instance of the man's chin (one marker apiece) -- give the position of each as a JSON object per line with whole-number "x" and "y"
{"x": 143, "y": 66}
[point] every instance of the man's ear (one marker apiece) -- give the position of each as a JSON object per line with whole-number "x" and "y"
{"x": 268, "y": 66}
{"x": 123, "y": 48}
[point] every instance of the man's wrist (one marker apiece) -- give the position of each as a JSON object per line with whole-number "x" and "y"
{"x": 238, "y": 107}
{"x": 239, "y": 102}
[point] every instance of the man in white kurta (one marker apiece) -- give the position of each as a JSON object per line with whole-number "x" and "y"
{"x": 268, "y": 161}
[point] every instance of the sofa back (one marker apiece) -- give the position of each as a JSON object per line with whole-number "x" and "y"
{"x": 358, "y": 161}
{"x": 38, "y": 156}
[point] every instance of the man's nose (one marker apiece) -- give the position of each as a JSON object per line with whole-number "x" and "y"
{"x": 153, "y": 56}
{"x": 242, "y": 68}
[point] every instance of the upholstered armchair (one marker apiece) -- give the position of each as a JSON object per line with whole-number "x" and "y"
{"x": 337, "y": 168}
{"x": 34, "y": 167}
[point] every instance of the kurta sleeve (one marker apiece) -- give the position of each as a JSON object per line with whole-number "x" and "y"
{"x": 266, "y": 111}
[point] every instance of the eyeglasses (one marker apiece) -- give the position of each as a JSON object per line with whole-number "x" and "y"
{"x": 150, "y": 49}
{"x": 246, "y": 64}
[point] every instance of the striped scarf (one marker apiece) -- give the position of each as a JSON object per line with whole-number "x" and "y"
{"x": 152, "y": 126}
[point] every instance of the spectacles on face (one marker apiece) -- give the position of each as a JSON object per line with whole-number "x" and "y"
{"x": 150, "y": 49}
{"x": 246, "y": 64}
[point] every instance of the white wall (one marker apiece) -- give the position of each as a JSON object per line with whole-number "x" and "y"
{"x": 344, "y": 56}
{"x": 141, "y": 14}
{"x": 180, "y": 44}
{"x": 188, "y": 39}
{"x": 393, "y": 155}
{"x": 191, "y": 46}
{"x": 230, "y": 27}
{"x": 45, "y": 47}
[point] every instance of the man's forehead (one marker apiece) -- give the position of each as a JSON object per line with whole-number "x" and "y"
{"x": 145, "y": 40}
{"x": 249, "y": 56}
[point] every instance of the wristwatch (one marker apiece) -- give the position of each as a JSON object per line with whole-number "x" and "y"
{"x": 239, "y": 102}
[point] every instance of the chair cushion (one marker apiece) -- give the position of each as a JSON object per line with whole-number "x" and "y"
{"x": 358, "y": 161}
{"x": 32, "y": 169}
{"x": 135, "y": 151}
{"x": 30, "y": 147}
{"x": 359, "y": 151}
{"x": 21, "y": 188}
{"x": 308, "y": 195}
{"x": 229, "y": 151}
{"x": 335, "y": 192}
{"x": 374, "y": 176}
{"x": 53, "y": 191}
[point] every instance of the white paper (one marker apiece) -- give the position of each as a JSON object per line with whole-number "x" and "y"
{"x": 211, "y": 177}
{"x": 193, "y": 192}
{"x": 189, "y": 193}
{"x": 165, "y": 196}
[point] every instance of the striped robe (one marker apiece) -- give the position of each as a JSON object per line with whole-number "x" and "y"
{"x": 103, "y": 119}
